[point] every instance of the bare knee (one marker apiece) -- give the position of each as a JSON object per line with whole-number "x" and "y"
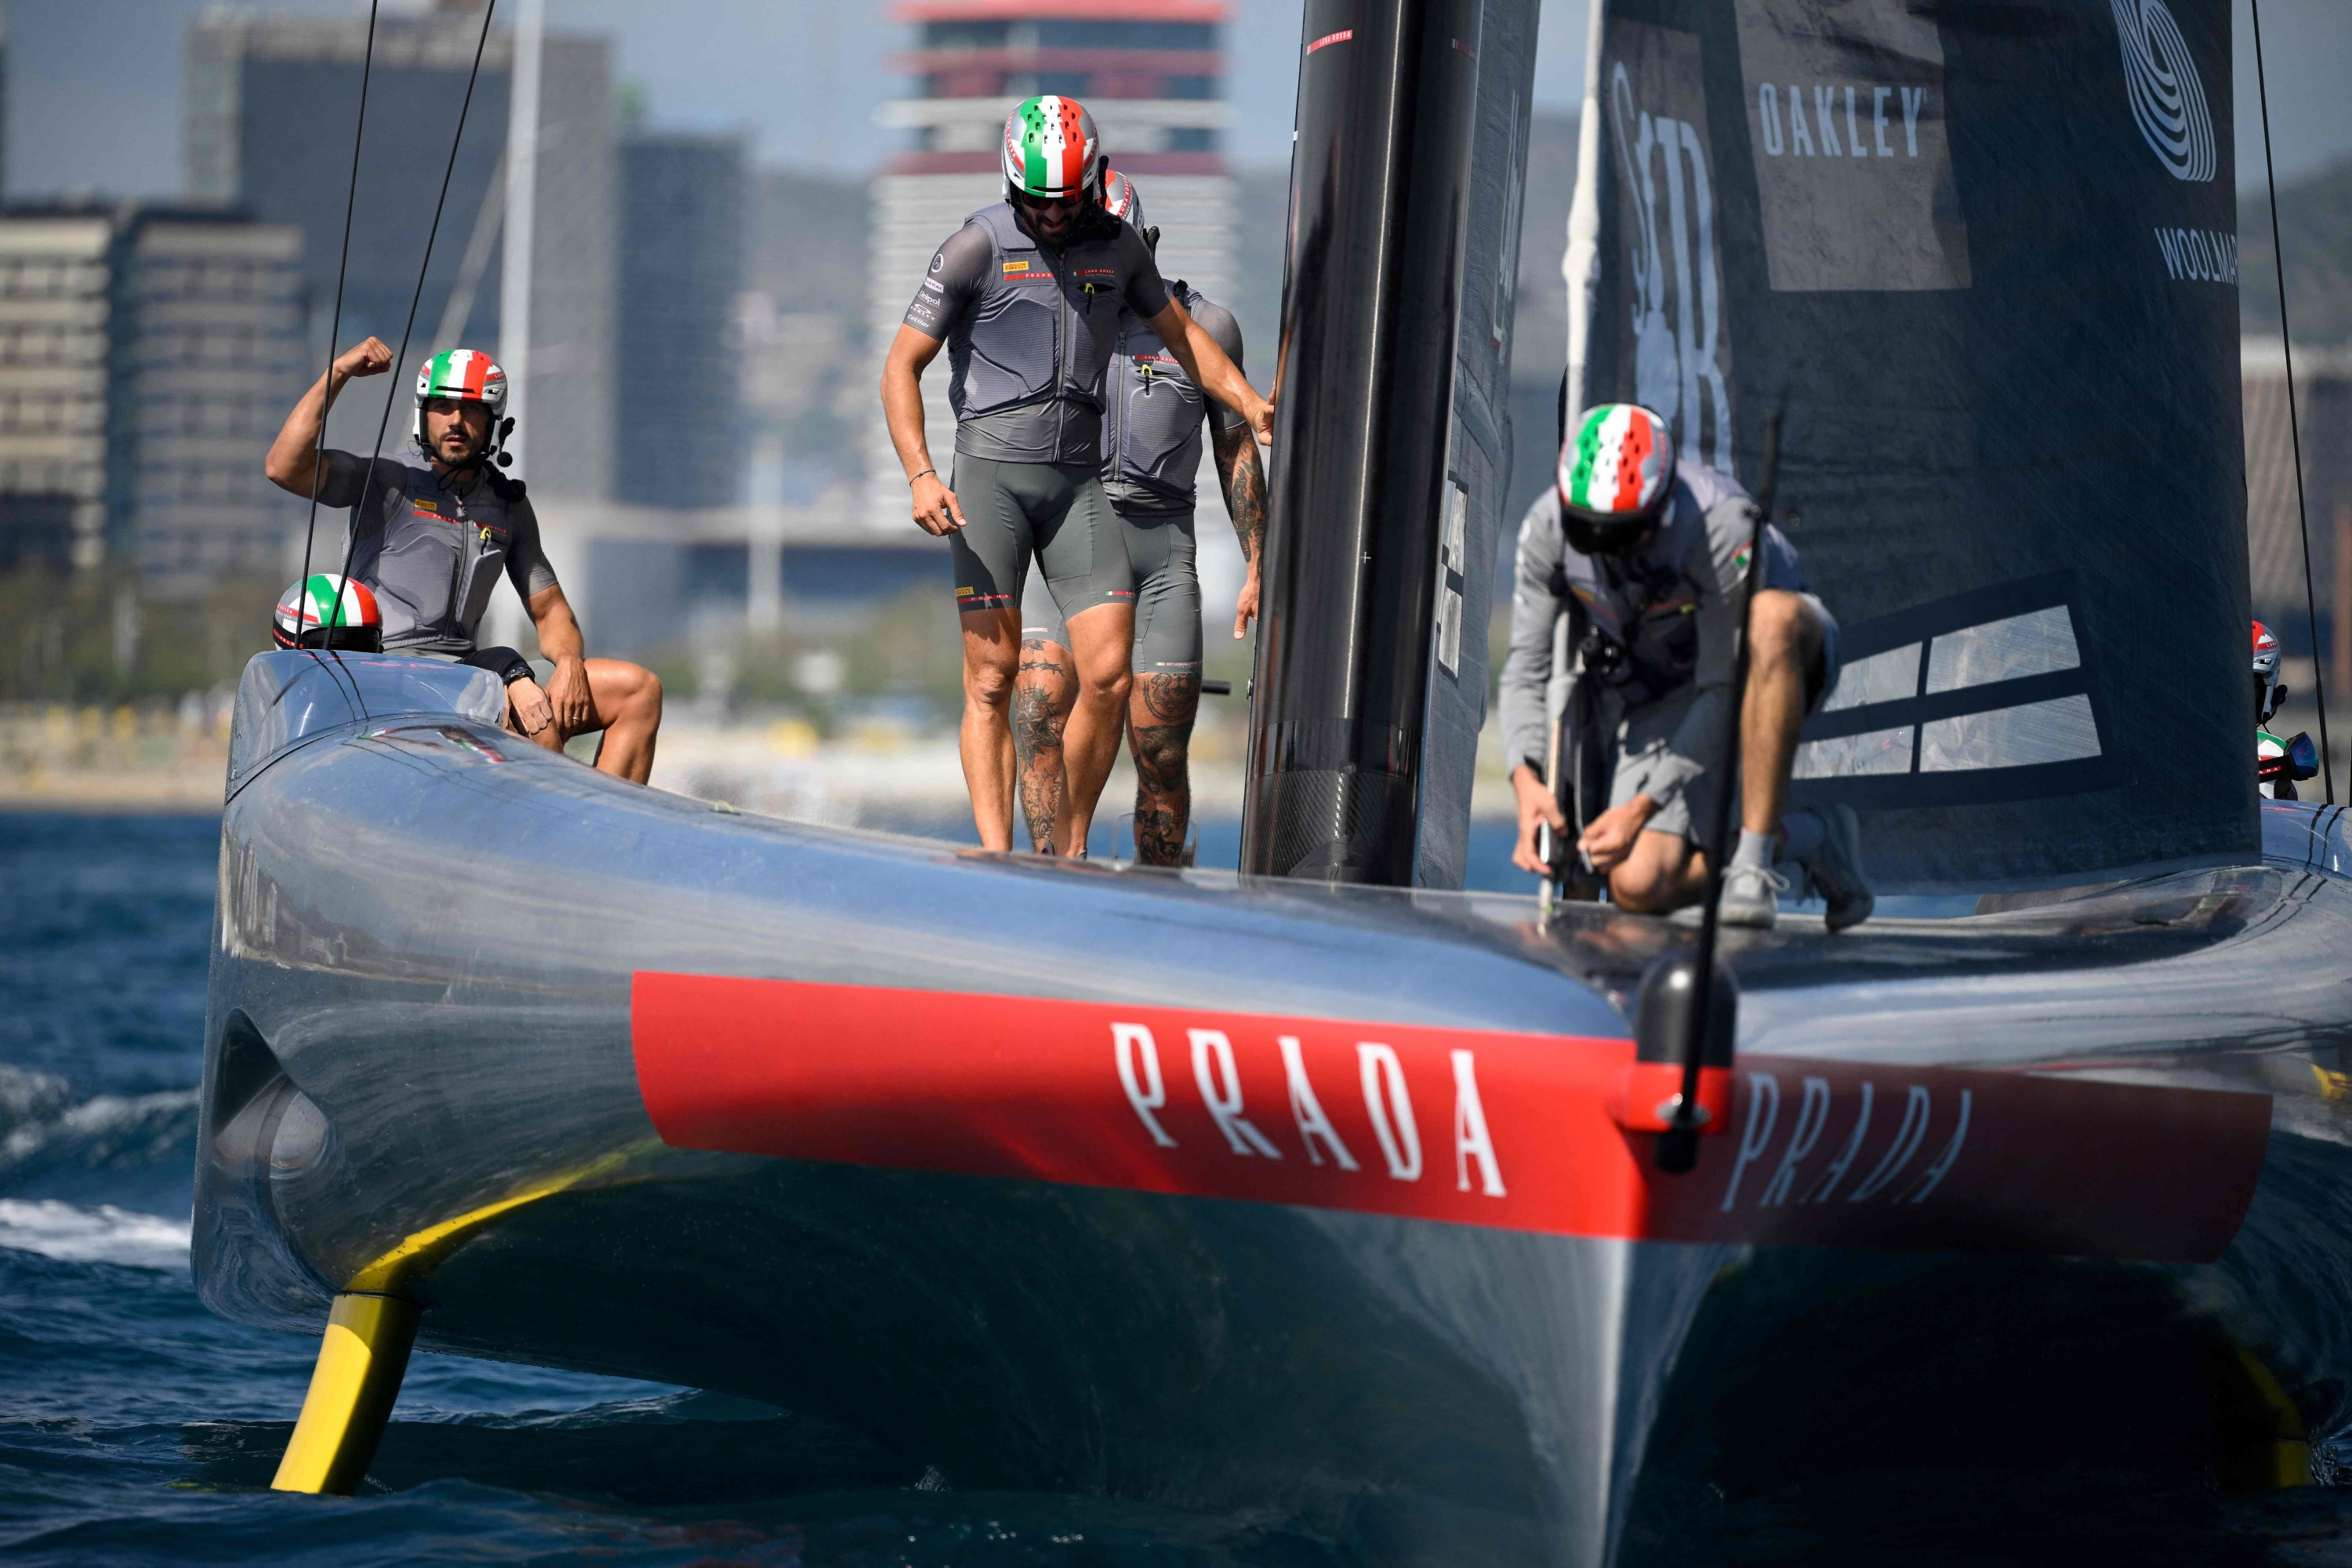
{"x": 989, "y": 681}
{"x": 1108, "y": 680}
{"x": 642, "y": 695}
{"x": 1650, "y": 881}
{"x": 1037, "y": 713}
{"x": 1782, "y": 626}
{"x": 1159, "y": 753}
{"x": 1639, "y": 889}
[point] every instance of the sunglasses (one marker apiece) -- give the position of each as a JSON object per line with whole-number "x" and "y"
{"x": 1050, "y": 204}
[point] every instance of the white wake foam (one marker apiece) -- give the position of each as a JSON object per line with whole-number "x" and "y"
{"x": 102, "y": 1235}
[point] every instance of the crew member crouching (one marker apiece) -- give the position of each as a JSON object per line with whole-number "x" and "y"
{"x": 432, "y": 530}
{"x": 1647, "y": 559}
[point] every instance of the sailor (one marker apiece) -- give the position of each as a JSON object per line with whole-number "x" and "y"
{"x": 1027, "y": 296}
{"x": 1646, "y": 560}
{"x": 432, "y": 530}
{"x": 1150, "y": 454}
{"x": 2273, "y": 769}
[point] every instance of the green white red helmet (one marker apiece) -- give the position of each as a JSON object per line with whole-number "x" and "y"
{"x": 1616, "y": 470}
{"x": 1051, "y": 149}
{"x": 464, "y": 375}
{"x": 328, "y": 611}
{"x": 2270, "y": 691}
{"x": 1121, "y": 199}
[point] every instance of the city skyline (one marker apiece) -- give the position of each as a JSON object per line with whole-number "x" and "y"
{"x": 94, "y": 102}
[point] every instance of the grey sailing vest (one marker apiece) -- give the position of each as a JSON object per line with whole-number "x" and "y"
{"x": 1027, "y": 361}
{"x": 433, "y": 556}
{"x": 1152, "y": 430}
{"x": 1645, "y": 608}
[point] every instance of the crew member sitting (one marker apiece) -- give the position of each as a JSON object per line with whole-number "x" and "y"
{"x": 1647, "y": 558}
{"x": 430, "y": 532}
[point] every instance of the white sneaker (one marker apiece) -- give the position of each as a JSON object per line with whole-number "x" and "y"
{"x": 1836, "y": 872}
{"x": 1748, "y": 895}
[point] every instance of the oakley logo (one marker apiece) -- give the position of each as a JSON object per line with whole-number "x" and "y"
{"x": 2167, "y": 99}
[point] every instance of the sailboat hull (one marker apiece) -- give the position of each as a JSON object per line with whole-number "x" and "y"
{"x": 870, "y": 1129}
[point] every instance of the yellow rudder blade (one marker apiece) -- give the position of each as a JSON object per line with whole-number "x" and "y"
{"x": 361, "y": 1362}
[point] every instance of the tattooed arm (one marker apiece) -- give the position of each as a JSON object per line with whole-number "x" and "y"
{"x": 1244, "y": 480}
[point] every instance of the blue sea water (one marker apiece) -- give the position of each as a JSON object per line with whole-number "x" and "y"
{"x": 135, "y": 1428}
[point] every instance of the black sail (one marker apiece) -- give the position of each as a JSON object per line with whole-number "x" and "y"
{"x": 1984, "y": 256}
{"x": 1392, "y": 442}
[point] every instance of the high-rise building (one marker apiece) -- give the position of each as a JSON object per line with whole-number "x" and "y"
{"x": 679, "y": 390}
{"x": 147, "y": 355}
{"x": 272, "y": 102}
{"x": 1152, "y": 73}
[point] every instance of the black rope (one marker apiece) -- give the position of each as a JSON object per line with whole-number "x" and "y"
{"x": 1678, "y": 1147}
{"x": 334, "y": 330}
{"x": 2294, "y": 423}
{"x": 400, "y": 359}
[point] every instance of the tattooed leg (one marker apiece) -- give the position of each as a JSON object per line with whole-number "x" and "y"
{"x": 1159, "y": 716}
{"x": 1043, "y": 693}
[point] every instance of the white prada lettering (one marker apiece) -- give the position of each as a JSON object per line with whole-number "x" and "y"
{"x": 1150, "y": 1094}
{"x": 1763, "y": 1110}
{"x": 1892, "y": 1177}
{"x": 1898, "y": 1153}
{"x": 1390, "y": 1109}
{"x": 1471, "y": 1141}
{"x": 1219, "y": 1059}
{"x": 1307, "y": 1111}
{"x": 1221, "y": 1092}
{"x": 1812, "y": 1115}
{"x": 1918, "y": 1194}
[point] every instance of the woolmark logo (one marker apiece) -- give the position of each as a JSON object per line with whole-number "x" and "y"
{"x": 2167, "y": 99}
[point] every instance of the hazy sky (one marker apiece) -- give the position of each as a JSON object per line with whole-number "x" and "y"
{"x": 94, "y": 101}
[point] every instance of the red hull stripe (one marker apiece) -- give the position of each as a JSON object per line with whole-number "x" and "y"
{"x": 1465, "y": 1126}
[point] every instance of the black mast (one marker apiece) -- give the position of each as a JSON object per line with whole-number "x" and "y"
{"x": 1380, "y": 196}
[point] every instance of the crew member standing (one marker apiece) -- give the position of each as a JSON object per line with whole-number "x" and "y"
{"x": 1027, "y": 298}
{"x": 1151, "y": 456}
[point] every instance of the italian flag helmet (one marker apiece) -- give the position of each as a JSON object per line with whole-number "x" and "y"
{"x": 2269, "y": 692}
{"x": 328, "y": 611}
{"x": 463, "y": 375}
{"x": 1615, "y": 473}
{"x": 1120, "y": 198}
{"x": 1051, "y": 149}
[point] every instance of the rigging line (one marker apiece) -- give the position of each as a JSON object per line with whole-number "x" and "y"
{"x": 392, "y": 390}
{"x": 334, "y": 330}
{"x": 2294, "y": 421}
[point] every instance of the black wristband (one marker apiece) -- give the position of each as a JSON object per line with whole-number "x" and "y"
{"x": 503, "y": 662}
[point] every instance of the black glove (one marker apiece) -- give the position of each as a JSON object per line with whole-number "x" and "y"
{"x": 503, "y": 662}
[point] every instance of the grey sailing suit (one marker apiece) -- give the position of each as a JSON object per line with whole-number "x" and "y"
{"x": 1646, "y": 716}
{"x": 1150, "y": 459}
{"x": 1029, "y": 334}
{"x": 433, "y": 550}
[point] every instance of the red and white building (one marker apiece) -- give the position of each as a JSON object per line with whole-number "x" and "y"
{"x": 1153, "y": 74}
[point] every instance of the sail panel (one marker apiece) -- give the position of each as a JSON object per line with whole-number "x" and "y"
{"x": 1983, "y": 260}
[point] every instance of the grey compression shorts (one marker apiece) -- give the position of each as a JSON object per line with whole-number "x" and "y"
{"x": 1648, "y": 741}
{"x": 1054, "y": 513}
{"x": 1166, "y": 597}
